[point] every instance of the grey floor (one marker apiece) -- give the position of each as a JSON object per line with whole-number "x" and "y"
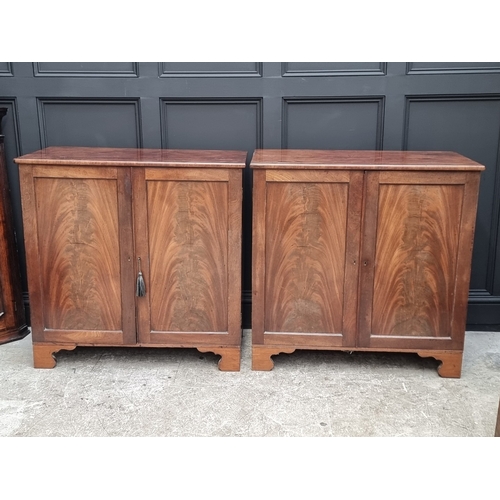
{"x": 180, "y": 392}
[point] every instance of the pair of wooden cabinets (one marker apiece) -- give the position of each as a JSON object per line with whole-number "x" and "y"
{"x": 351, "y": 250}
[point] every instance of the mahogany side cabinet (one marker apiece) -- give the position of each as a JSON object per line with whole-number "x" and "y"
{"x": 362, "y": 251}
{"x": 12, "y": 317}
{"x": 133, "y": 247}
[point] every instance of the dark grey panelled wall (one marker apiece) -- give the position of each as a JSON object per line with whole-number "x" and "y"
{"x": 247, "y": 105}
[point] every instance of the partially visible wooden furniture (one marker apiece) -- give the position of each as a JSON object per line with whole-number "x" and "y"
{"x": 497, "y": 427}
{"x": 98, "y": 219}
{"x": 12, "y": 317}
{"x": 362, "y": 250}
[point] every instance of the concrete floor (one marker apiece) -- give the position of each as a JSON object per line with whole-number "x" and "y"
{"x": 180, "y": 392}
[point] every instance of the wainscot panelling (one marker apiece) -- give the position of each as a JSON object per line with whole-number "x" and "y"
{"x": 333, "y": 68}
{"x": 85, "y": 69}
{"x": 348, "y": 123}
{"x": 210, "y": 69}
{"x": 453, "y": 67}
{"x": 83, "y": 122}
{"x": 5, "y": 69}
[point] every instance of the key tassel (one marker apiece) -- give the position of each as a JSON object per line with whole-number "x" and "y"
{"x": 140, "y": 288}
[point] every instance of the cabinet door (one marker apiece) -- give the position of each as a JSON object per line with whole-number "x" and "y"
{"x": 78, "y": 228}
{"x": 188, "y": 231}
{"x": 417, "y": 243}
{"x": 305, "y": 257}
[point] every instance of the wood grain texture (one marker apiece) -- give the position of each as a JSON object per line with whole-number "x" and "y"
{"x": 305, "y": 257}
{"x": 186, "y": 174}
{"x": 230, "y": 357}
{"x": 12, "y": 319}
{"x": 426, "y": 178}
{"x": 464, "y": 258}
{"x": 300, "y": 339}
{"x": 79, "y": 253}
{"x": 141, "y": 250}
{"x": 450, "y": 366}
{"x": 77, "y": 172}
{"x": 451, "y": 362}
{"x": 234, "y": 242}
{"x": 367, "y": 160}
{"x": 131, "y": 157}
{"x": 126, "y": 246}
{"x": 369, "y": 217}
{"x": 261, "y": 356}
{"x": 43, "y": 354}
{"x": 258, "y": 256}
{"x": 188, "y": 230}
{"x": 352, "y": 259}
{"x": 30, "y": 226}
{"x": 416, "y": 255}
{"x": 97, "y": 337}
{"x": 142, "y": 225}
{"x": 307, "y": 176}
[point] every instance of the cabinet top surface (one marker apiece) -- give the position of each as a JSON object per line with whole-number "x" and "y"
{"x": 78, "y": 156}
{"x": 368, "y": 160}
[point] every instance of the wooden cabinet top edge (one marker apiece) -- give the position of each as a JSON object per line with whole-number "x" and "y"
{"x": 130, "y": 157}
{"x": 368, "y": 160}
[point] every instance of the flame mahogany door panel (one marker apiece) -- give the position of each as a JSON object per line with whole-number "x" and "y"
{"x": 187, "y": 226}
{"x": 306, "y": 241}
{"x": 417, "y": 246}
{"x": 78, "y": 222}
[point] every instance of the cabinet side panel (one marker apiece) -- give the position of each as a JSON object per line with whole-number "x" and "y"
{"x": 30, "y": 226}
{"x": 466, "y": 244}
{"x": 188, "y": 228}
{"x": 305, "y": 256}
{"x": 418, "y": 232}
{"x": 79, "y": 253}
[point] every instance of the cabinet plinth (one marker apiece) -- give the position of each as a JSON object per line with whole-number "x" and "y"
{"x": 362, "y": 250}
{"x": 99, "y": 220}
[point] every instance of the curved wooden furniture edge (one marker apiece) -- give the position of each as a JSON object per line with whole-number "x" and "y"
{"x": 261, "y": 356}
{"x": 15, "y": 334}
{"x": 43, "y": 354}
{"x": 497, "y": 427}
{"x": 230, "y": 357}
{"x": 451, "y": 362}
